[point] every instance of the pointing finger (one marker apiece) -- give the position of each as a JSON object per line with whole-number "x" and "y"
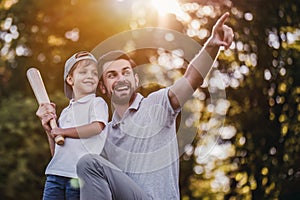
{"x": 222, "y": 19}
{"x": 228, "y": 36}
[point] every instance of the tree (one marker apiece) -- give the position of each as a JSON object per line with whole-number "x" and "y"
{"x": 256, "y": 151}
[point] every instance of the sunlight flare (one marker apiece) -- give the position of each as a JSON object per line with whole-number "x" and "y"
{"x": 167, "y": 6}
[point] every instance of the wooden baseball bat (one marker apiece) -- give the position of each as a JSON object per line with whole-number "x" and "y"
{"x": 36, "y": 82}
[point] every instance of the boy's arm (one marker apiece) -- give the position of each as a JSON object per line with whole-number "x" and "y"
{"x": 84, "y": 131}
{"x": 46, "y": 112}
{"x": 51, "y": 143}
{"x": 200, "y": 66}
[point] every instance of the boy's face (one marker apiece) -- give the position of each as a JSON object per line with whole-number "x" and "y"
{"x": 84, "y": 79}
{"x": 119, "y": 81}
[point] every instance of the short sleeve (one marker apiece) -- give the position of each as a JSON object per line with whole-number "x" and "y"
{"x": 99, "y": 111}
{"x": 160, "y": 107}
{"x": 161, "y": 97}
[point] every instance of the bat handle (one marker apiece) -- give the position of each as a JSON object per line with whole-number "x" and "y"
{"x": 60, "y": 140}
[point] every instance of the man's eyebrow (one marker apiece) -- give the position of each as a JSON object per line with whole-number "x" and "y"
{"x": 125, "y": 68}
{"x": 110, "y": 71}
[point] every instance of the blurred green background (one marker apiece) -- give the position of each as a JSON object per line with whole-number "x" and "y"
{"x": 256, "y": 150}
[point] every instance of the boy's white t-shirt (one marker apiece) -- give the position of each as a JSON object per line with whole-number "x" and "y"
{"x": 81, "y": 112}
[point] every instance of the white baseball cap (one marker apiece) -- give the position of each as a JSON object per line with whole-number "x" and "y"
{"x": 82, "y": 55}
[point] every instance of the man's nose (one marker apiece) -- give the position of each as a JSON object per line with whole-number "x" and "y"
{"x": 121, "y": 77}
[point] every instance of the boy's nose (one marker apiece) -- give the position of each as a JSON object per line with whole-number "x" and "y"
{"x": 90, "y": 74}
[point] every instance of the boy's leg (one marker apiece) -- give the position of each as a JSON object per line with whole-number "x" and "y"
{"x": 72, "y": 189}
{"x": 99, "y": 179}
{"x": 54, "y": 188}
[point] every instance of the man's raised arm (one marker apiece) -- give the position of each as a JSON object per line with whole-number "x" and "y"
{"x": 182, "y": 90}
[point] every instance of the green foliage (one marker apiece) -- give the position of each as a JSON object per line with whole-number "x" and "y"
{"x": 269, "y": 116}
{"x": 263, "y": 155}
{"x": 24, "y": 151}
{"x": 264, "y": 107}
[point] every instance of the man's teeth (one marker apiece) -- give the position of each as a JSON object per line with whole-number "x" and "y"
{"x": 122, "y": 88}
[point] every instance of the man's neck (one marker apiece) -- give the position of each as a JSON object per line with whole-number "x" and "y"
{"x": 121, "y": 108}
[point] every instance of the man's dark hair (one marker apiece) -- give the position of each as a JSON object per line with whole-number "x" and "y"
{"x": 111, "y": 56}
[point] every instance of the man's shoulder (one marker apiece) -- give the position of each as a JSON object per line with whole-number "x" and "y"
{"x": 158, "y": 93}
{"x": 157, "y": 97}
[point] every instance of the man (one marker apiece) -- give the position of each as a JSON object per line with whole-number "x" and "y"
{"x": 140, "y": 159}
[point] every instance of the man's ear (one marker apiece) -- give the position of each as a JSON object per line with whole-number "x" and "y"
{"x": 102, "y": 87}
{"x": 136, "y": 78}
{"x": 69, "y": 80}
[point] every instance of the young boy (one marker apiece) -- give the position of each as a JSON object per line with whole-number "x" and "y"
{"x": 79, "y": 123}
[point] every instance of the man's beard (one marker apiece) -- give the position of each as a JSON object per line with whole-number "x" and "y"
{"x": 125, "y": 98}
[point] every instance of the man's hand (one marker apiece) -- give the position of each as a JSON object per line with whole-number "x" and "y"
{"x": 46, "y": 112}
{"x": 222, "y": 35}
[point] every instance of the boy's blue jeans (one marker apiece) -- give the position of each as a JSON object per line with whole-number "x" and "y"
{"x": 61, "y": 188}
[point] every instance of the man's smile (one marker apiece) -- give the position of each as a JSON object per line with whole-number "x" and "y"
{"x": 121, "y": 88}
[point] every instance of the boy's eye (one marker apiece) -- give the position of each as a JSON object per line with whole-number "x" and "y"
{"x": 82, "y": 72}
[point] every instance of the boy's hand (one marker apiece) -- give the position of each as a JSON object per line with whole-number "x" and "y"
{"x": 57, "y": 131}
{"x": 46, "y": 112}
{"x": 222, "y": 35}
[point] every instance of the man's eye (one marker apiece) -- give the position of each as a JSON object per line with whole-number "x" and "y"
{"x": 127, "y": 72}
{"x": 110, "y": 75}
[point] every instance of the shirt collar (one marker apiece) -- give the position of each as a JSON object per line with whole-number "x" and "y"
{"x": 83, "y": 99}
{"x": 134, "y": 106}
{"x": 136, "y": 103}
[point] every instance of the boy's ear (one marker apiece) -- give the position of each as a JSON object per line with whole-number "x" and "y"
{"x": 102, "y": 87}
{"x": 69, "y": 80}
